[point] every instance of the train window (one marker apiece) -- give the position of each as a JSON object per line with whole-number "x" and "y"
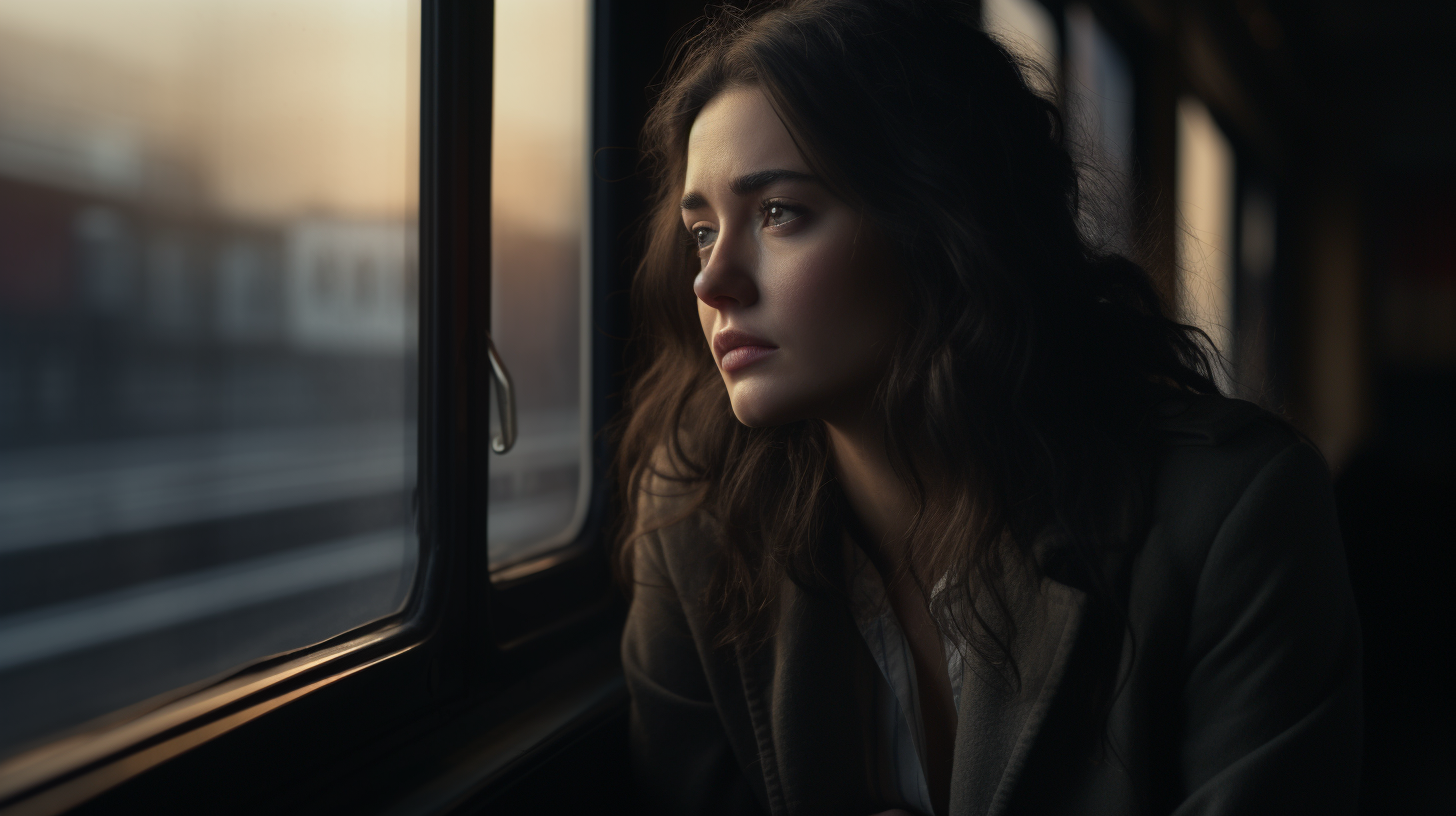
{"x": 1205, "y": 184}
{"x": 1254, "y": 314}
{"x": 1100, "y": 106}
{"x": 208, "y": 322}
{"x": 1029, "y": 30}
{"x": 540, "y": 276}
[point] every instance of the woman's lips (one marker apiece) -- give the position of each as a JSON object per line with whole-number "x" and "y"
{"x": 736, "y": 348}
{"x": 744, "y": 356}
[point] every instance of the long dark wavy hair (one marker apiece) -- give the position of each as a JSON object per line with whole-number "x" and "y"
{"x": 1019, "y": 399}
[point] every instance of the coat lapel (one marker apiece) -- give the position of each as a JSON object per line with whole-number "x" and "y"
{"x": 807, "y": 690}
{"x": 809, "y": 722}
{"x": 999, "y": 722}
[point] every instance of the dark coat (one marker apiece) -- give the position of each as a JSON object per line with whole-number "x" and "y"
{"x": 1240, "y": 689}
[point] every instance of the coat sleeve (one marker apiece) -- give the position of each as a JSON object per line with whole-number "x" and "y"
{"x": 1272, "y": 700}
{"x": 682, "y": 760}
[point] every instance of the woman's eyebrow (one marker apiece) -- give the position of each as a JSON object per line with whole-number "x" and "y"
{"x": 758, "y": 180}
{"x": 752, "y": 182}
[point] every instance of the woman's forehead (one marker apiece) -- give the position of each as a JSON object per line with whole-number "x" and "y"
{"x": 736, "y": 134}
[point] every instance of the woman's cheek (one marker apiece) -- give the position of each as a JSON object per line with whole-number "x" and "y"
{"x": 823, "y": 306}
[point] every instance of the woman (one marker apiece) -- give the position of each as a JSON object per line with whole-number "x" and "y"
{"x": 931, "y": 507}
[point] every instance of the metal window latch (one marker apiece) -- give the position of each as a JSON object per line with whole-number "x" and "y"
{"x": 505, "y": 397}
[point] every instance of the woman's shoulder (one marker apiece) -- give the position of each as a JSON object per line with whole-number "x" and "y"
{"x": 1219, "y": 437}
{"x": 1218, "y": 458}
{"x": 1243, "y": 581}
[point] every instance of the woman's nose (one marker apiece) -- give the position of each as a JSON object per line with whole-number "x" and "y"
{"x": 726, "y": 281}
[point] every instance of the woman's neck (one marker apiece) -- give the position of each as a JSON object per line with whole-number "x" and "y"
{"x": 881, "y": 501}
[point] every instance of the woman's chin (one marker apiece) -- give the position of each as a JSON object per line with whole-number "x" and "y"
{"x": 756, "y": 412}
{"x": 754, "y": 418}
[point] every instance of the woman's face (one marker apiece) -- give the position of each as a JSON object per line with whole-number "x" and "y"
{"x": 794, "y": 294}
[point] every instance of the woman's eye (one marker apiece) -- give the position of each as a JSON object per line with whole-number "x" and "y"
{"x": 777, "y": 215}
{"x": 704, "y": 236}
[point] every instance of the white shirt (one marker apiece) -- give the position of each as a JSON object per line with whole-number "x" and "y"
{"x": 898, "y": 731}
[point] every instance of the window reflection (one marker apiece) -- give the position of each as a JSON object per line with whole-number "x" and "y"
{"x": 207, "y": 340}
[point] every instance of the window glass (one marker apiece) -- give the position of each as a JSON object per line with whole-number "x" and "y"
{"x": 1100, "y": 104}
{"x": 1029, "y": 30}
{"x": 1205, "y": 225}
{"x": 207, "y": 340}
{"x": 539, "y": 274}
